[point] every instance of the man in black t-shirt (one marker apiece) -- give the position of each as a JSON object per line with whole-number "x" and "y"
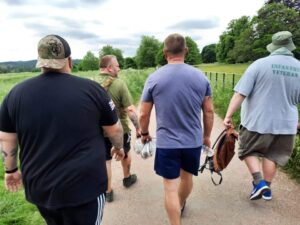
{"x": 58, "y": 121}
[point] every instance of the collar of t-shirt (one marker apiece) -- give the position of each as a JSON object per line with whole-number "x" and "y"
{"x": 282, "y": 51}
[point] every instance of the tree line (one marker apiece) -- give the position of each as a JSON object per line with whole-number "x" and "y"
{"x": 244, "y": 40}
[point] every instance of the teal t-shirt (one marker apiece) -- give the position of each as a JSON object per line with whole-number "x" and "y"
{"x": 272, "y": 89}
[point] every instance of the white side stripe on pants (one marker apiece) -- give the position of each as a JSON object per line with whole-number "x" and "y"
{"x": 101, "y": 202}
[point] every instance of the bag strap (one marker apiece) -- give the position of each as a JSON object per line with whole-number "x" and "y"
{"x": 216, "y": 141}
{"x": 204, "y": 166}
{"x": 212, "y": 179}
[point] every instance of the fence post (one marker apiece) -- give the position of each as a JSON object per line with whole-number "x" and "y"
{"x": 210, "y": 76}
{"x": 205, "y": 73}
{"x": 223, "y": 83}
{"x": 233, "y": 81}
{"x": 216, "y": 79}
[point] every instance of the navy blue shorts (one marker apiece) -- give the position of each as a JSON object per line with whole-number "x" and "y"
{"x": 168, "y": 162}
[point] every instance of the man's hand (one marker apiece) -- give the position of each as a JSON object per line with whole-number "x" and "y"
{"x": 207, "y": 142}
{"x": 228, "y": 122}
{"x": 13, "y": 181}
{"x": 146, "y": 138}
{"x": 118, "y": 154}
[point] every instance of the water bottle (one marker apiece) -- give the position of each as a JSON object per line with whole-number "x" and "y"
{"x": 208, "y": 151}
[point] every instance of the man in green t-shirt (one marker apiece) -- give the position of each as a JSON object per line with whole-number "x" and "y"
{"x": 118, "y": 91}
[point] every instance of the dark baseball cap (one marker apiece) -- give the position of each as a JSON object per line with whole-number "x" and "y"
{"x": 53, "y": 52}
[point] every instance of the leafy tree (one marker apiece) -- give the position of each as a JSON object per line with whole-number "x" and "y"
{"x": 208, "y": 54}
{"x": 109, "y": 50}
{"x": 193, "y": 57}
{"x": 295, "y": 4}
{"x": 272, "y": 18}
{"x": 146, "y": 53}
{"x": 229, "y": 37}
{"x": 160, "y": 57}
{"x": 226, "y": 43}
{"x": 129, "y": 63}
{"x": 89, "y": 62}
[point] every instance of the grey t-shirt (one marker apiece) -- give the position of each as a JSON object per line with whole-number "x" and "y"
{"x": 272, "y": 89}
{"x": 177, "y": 91}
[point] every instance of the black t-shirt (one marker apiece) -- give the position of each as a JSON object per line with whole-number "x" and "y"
{"x": 58, "y": 119}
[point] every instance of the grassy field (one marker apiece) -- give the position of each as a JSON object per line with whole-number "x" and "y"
{"x": 14, "y": 210}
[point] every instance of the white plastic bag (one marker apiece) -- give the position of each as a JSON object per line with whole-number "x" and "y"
{"x": 145, "y": 150}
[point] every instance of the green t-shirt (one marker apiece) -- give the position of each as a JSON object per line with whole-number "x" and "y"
{"x": 118, "y": 91}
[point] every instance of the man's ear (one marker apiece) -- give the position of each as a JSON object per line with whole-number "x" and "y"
{"x": 165, "y": 54}
{"x": 70, "y": 61}
{"x": 186, "y": 51}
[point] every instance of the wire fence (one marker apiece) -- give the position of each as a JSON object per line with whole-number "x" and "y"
{"x": 223, "y": 80}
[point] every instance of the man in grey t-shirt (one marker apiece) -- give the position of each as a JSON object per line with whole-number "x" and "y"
{"x": 179, "y": 93}
{"x": 269, "y": 92}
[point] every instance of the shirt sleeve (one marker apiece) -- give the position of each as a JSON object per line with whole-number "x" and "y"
{"x": 126, "y": 98}
{"x": 108, "y": 110}
{"x": 208, "y": 90}
{"x": 247, "y": 81}
{"x": 6, "y": 124}
{"x": 147, "y": 92}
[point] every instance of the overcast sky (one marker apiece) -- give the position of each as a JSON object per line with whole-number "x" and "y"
{"x": 88, "y": 25}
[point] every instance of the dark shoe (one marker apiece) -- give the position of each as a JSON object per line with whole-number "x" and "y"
{"x": 183, "y": 207}
{"x": 128, "y": 181}
{"x": 109, "y": 196}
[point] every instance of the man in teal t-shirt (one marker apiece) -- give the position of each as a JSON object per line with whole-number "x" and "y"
{"x": 118, "y": 91}
{"x": 269, "y": 93}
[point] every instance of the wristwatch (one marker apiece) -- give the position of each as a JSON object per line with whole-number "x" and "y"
{"x": 145, "y": 134}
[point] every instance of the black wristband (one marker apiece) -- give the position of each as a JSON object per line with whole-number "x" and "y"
{"x": 145, "y": 134}
{"x": 12, "y": 171}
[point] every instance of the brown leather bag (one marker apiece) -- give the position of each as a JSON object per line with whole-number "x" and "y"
{"x": 224, "y": 150}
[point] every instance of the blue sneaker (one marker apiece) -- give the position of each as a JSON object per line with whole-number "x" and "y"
{"x": 267, "y": 195}
{"x": 258, "y": 190}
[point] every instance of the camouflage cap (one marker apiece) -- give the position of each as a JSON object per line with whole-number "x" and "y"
{"x": 281, "y": 39}
{"x": 53, "y": 52}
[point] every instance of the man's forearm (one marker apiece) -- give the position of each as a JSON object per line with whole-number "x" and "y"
{"x": 208, "y": 121}
{"x": 134, "y": 119}
{"x": 9, "y": 153}
{"x": 235, "y": 102}
{"x": 145, "y": 113}
{"x": 115, "y": 135}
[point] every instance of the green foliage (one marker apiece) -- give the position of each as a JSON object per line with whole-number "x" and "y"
{"x": 273, "y": 18}
{"x": 109, "y": 50}
{"x": 135, "y": 80}
{"x": 228, "y": 39}
{"x": 293, "y": 165}
{"x": 89, "y": 62}
{"x": 147, "y": 51}
{"x": 160, "y": 57}
{"x": 226, "y": 43}
{"x": 129, "y": 63}
{"x": 193, "y": 57}
{"x": 295, "y": 4}
{"x": 208, "y": 54}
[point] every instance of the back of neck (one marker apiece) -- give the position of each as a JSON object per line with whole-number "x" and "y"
{"x": 176, "y": 60}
